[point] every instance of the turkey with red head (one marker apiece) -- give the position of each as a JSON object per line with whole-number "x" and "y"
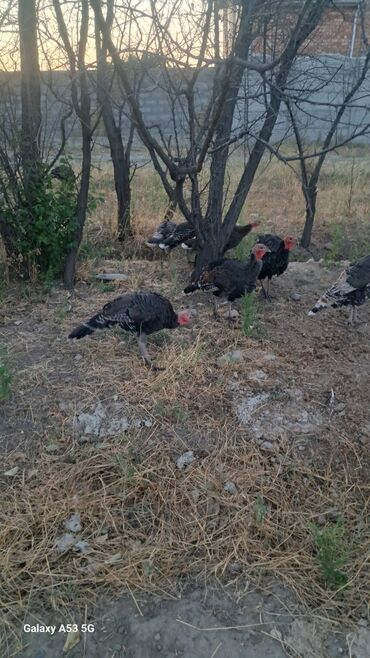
{"x": 230, "y": 278}
{"x": 140, "y": 313}
{"x": 351, "y": 289}
{"x": 275, "y": 261}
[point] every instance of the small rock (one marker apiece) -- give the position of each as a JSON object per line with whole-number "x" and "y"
{"x": 52, "y": 447}
{"x": 18, "y": 322}
{"x": 364, "y": 440}
{"x": 230, "y": 488}
{"x": 332, "y": 514}
{"x": 340, "y": 407}
{"x": 295, "y": 296}
{"x": 185, "y": 459}
{"x": 82, "y": 546}
{"x": 101, "y": 539}
{"x": 230, "y": 357}
{"x": 113, "y": 559}
{"x": 235, "y": 567}
{"x": 267, "y": 445}
{"x": 111, "y": 276}
{"x": 78, "y": 357}
{"x": 363, "y": 622}
{"x": 157, "y": 637}
{"x": 66, "y": 542}
{"x": 12, "y": 472}
{"x": 231, "y": 315}
{"x": 257, "y": 375}
{"x": 73, "y": 524}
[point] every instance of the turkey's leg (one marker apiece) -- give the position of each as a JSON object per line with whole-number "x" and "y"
{"x": 141, "y": 339}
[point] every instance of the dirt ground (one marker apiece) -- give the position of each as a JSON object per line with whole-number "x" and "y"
{"x": 295, "y": 394}
{"x": 264, "y": 623}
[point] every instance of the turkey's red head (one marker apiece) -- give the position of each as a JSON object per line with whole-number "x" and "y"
{"x": 289, "y": 242}
{"x": 259, "y": 250}
{"x": 183, "y": 317}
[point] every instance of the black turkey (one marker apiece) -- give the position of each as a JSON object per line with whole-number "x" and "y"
{"x": 275, "y": 261}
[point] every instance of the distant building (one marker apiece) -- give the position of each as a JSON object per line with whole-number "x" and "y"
{"x": 339, "y": 31}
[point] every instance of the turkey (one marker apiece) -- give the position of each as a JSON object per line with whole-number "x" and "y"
{"x": 230, "y": 278}
{"x": 351, "y": 289}
{"x": 162, "y": 232}
{"x": 182, "y": 233}
{"x": 237, "y": 235}
{"x": 275, "y": 261}
{"x": 141, "y": 313}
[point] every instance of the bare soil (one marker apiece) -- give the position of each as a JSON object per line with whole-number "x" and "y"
{"x": 296, "y": 403}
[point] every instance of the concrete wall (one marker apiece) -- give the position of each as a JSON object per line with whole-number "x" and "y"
{"x": 321, "y": 84}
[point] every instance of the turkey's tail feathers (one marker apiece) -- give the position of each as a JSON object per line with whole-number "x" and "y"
{"x": 321, "y": 303}
{"x": 97, "y": 322}
{"x": 191, "y": 288}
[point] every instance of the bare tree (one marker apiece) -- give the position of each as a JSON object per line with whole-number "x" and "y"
{"x": 20, "y": 167}
{"x": 310, "y": 167}
{"x": 201, "y": 138}
{"x": 81, "y": 102}
{"x": 120, "y": 154}
{"x": 31, "y": 96}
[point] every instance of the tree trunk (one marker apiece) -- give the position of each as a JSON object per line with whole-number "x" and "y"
{"x": 120, "y": 158}
{"x": 30, "y": 95}
{"x": 206, "y": 253}
{"x": 82, "y": 199}
{"x": 81, "y": 103}
{"x": 310, "y": 195}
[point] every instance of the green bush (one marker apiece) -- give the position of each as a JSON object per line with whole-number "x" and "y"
{"x": 40, "y": 236}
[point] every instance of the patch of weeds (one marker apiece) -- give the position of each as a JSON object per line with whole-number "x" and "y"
{"x": 96, "y": 251}
{"x": 278, "y": 394}
{"x": 337, "y": 236}
{"x": 331, "y": 552}
{"x": 160, "y": 338}
{"x": 174, "y": 274}
{"x": 148, "y": 568}
{"x": 106, "y": 287}
{"x": 5, "y": 376}
{"x": 61, "y": 313}
{"x": 362, "y": 245}
{"x": 250, "y": 325}
{"x": 260, "y": 509}
{"x": 124, "y": 469}
{"x": 2, "y": 283}
{"x": 174, "y": 412}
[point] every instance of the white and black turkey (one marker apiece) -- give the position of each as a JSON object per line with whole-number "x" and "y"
{"x": 140, "y": 313}
{"x": 352, "y": 289}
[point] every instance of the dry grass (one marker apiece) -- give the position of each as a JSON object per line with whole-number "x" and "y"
{"x": 148, "y": 524}
{"x": 275, "y": 199}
